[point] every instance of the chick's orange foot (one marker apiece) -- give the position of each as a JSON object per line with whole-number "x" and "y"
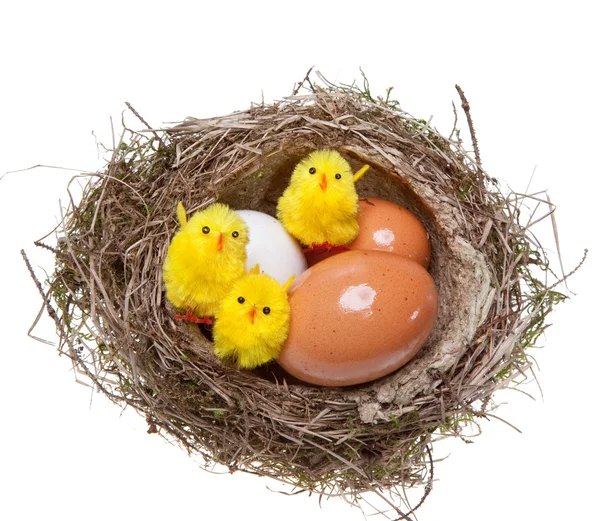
{"x": 325, "y": 247}
{"x": 190, "y": 317}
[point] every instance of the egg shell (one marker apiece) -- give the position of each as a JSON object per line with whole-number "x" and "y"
{"x": 357, "y": 316}
{"x": 272, "y": 247}
{"x": 386, "y": 226}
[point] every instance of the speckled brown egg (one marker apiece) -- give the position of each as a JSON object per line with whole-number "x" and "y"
{"x": 357, "y": 316}
{"x": 386, "y": 226}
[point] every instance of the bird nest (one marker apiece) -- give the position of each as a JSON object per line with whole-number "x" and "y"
{"x": 106, "y": 294}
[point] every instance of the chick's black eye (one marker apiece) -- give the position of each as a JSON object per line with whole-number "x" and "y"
{"x": 206, "y": 229}
{"x": 312, "y": 170}
{"x": 235, "y": 235}
{"x": 338, "y": 176}
{"x": 241, "y": 300}
{"x": 266, "y": 310}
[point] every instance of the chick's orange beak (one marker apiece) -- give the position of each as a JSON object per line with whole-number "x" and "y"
{"x": 323, "y": 183}
{"x": 220, "y": 242}
{"x": 252, "y": 313}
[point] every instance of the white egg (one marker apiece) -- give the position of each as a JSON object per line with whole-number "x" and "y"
{"x": 277, "y": 252}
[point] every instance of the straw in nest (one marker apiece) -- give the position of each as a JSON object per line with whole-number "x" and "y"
{"x": 107, "y": 296}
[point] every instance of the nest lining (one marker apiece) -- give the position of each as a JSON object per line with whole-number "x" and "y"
{"x": 107, "y": 295}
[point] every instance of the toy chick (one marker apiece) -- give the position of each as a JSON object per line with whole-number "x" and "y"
{"x": 205, "y": 257}
{"x": 320, "y": 205}
{"x": 253, "y": 320}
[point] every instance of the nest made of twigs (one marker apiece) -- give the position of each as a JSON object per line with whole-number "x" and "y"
{"x": 107, "y": 294}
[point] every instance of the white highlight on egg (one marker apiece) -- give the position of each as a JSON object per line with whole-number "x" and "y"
{"x": 357, "y": 298}
{"x": 384, "y": 237}
{"x": 414, "y": 315}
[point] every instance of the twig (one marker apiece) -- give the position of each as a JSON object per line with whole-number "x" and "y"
{"x": 301, "y": 83}
{"x": 428, "y": 489}
{"x": 38, "y": 285}
{"x": 455, "y": 123}
{"x": 137, "y": 114}
{"x": 467, "y": 108}
{"x": 565, "y": 277}
{"x": 40, "y": 244}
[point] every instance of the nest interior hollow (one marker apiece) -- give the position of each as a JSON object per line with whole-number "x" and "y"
{"x": 108, "y": 296}
{"x": 459, "y": 271}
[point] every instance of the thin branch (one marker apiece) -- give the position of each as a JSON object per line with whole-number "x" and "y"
{"x": 301, "y": 83}
{"x": 467, "y": 108}
{"x": 137, "y": 114}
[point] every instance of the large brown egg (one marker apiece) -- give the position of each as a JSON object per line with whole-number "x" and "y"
{"x": 385, "y": 226}
{"x": 357, "y": 316}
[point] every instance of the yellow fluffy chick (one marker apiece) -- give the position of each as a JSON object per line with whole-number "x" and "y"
{"x": 205, "y": 257}
{"x": 253, "y": 321}
{"x": 320, "y": 205}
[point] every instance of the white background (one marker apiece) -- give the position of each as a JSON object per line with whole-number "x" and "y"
{"x": 529, "y": 70}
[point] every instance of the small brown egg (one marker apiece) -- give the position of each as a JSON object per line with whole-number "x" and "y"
{"x": 357, "y": 316}
{"x": 385, "y": 226}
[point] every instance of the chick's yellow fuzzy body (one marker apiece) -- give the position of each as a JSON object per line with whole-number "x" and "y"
{"x": 253, "y": 321}
{"x": 320, "y": 205}
{"x": 205, "y": 257}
